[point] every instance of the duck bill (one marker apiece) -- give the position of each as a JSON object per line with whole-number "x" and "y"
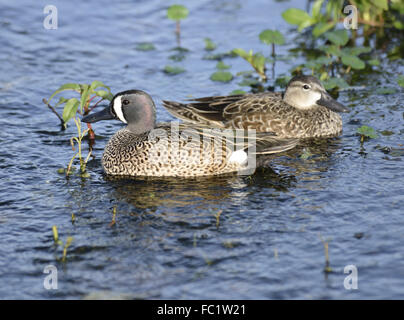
{"x": 105, "y": 114}
{"x": 329, "y": 102}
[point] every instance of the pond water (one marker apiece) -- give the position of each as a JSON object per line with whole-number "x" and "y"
{"x": 232, "y": 237}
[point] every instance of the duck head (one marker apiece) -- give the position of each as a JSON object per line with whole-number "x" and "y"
{"x": 307, "y": 92}
{"x": 133, "y": 107}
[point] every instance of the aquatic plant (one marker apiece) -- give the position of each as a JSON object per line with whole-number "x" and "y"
{"x": 272, "y": 37}
{"x": 87, "y": 93}
{"x": 256, "y": 60}
{"x": 327, "y": 267}
{"x": 177, "y": 13}
{"x": 366, "y": 132}
{"x": 372, "y": 16}
{"x": 221, "y": 76}
{"x": 78, "y": 140}
{"x": 59, "y": 242}
{"x": 172, "y": 70}
{"x": 79, "y": 106}
{"x": 332, "y": 53}
{"x": 209, "y": 44}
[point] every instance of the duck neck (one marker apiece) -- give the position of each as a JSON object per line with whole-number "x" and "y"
{"x": 143, "y": 121}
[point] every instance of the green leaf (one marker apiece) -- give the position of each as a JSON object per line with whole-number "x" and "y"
{"x": 356, "y": 50}
{"x": 324, "y": 60}
{"x": 316, "y": 9}
{"x": 209, "y": 45}
{"x": 272, "y": 37}
{"x": 104, "y": 94}
{"x": 241, "y": 52}
{"x": 400, "y": 80}
{"x": 258, "y": 62}
{"x": 282, "y": 81}
{"x": 84, "y": 96}
{"x": 338, "y": 37}
{"x": 332, "y": 83}
{"x": 173, "y": 70}
{"x": 61, "y": 101}
{"x": 70, "y": 109}
{"x": 322, "y": 27}
{"x": 332, "y": 50}
{"x": 67, "y": 86}
{"x": 353, "y": 62}
{"x": 222, "y": 66}
{"x": 367, "y": 132}
{"x": 237, "y": 92}
{"x": 296, "y": 16}
{"x": 97, "y": 84}
{"x": 145, "y": 46}
{"x": 177, "y": 12}
{"x": 398, "y": 25}
{"x": 385, "y": 90}
{"x": 222, "y": 76}
{"x": 382, "y": 4}
{"x": 373, "y": 62}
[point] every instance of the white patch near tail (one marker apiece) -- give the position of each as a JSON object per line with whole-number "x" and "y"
{"x": 239, "y": 156}
{"x": 118, "y": 109}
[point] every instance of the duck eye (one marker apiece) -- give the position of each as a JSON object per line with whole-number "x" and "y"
{"x": 125, "y": 102}
{"x": 306, "y": 87}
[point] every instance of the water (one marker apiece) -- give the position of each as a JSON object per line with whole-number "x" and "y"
{"x": 231, "y": 237}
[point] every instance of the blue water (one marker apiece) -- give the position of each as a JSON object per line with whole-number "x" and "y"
{"x": 167, "y": 242}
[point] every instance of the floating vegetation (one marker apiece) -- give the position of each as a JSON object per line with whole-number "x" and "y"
{"x": 400, "y": 80}
{"x": 145, "y": 46}
{"x": 221, "y": 76}
{"x": 172, "y": 70}
{"x": 237, "y": 92}
{"x": 366, "y": 132}
{"x": 209, "y": 45}
{"x": 385, "y": 90}
{"x": 222, "y": 66}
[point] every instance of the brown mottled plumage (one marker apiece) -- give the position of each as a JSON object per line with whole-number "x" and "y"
{"x": 146, "y": 149}
{"x": 305, "y": 110}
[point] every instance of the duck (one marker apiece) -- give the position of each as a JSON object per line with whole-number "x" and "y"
{"x": 304, "y": 110}
{"x": 147, "y": 148}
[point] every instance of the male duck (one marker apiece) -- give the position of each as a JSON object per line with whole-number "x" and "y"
{"x": 144, "y": 148}
{"x": 304, "y": 110}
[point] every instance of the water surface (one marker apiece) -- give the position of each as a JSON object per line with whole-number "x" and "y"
{"x": 230, "y": 237}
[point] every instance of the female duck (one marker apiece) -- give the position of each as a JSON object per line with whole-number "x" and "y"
{"x": 143, "y": 148}
{"x": 304, "y": 110}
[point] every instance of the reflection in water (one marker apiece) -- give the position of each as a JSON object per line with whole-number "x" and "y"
{"x": 150, "y": 192}
{"x": 275, "y": 172}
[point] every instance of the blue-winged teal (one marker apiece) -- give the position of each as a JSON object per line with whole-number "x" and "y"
{"x": 143, "y": 148}
{"x": 304, "y": 110}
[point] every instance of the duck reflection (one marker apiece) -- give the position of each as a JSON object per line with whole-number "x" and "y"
{"x": 279, "y": 172}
